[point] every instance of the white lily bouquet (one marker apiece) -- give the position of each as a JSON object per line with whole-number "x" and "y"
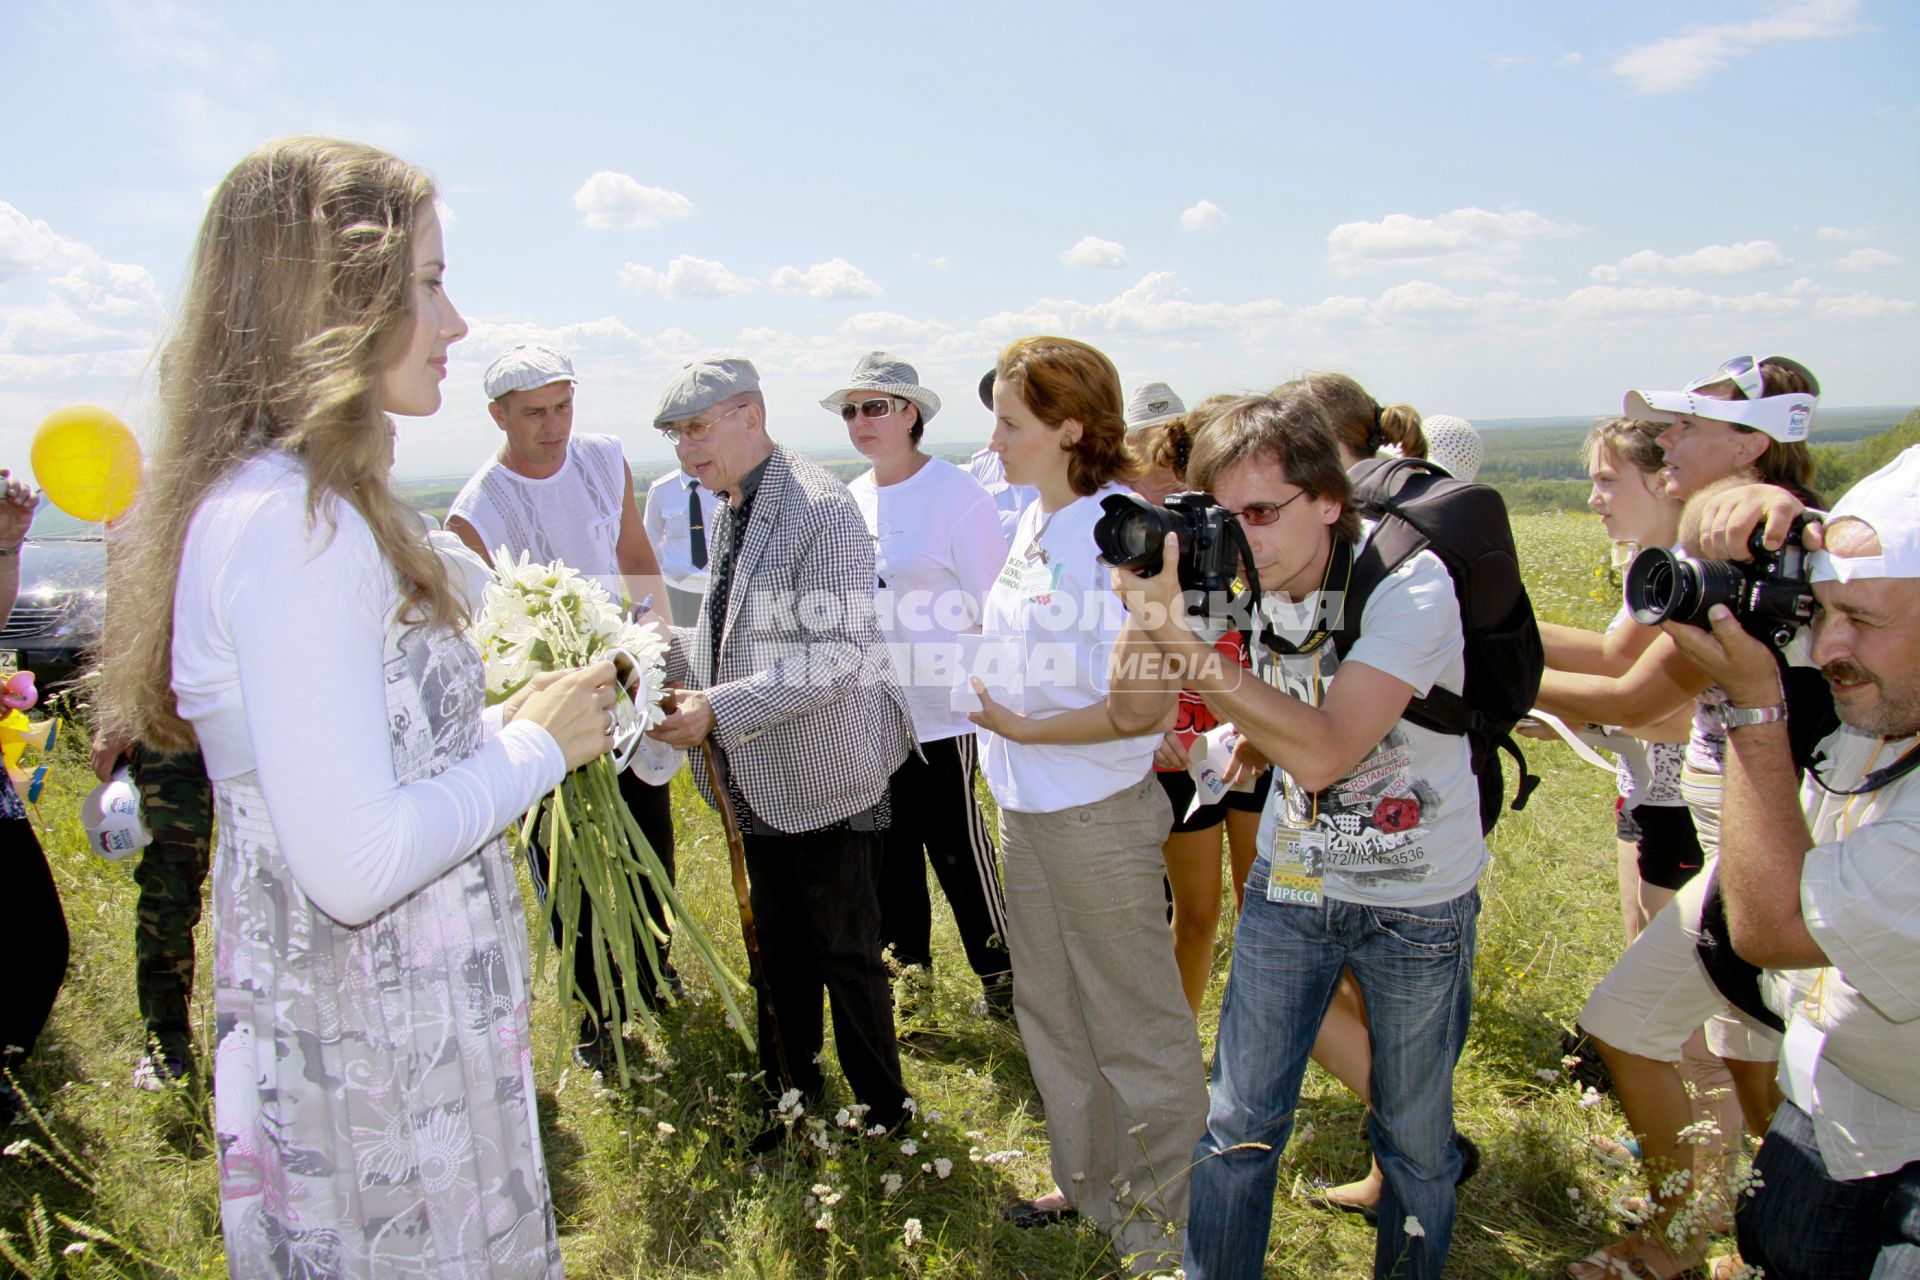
{"x": 547, "y": 617}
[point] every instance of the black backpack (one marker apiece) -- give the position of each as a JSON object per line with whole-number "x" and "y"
{"x": 1419, "y": 507}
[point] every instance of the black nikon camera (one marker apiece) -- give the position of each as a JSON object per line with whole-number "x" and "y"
{"x": 1770, "y": 594}
{"x": 1212, "y": 544}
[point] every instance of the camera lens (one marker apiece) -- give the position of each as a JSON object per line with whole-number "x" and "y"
{"x": 1132, "y": 532}
{"x": 1659, "y": 586}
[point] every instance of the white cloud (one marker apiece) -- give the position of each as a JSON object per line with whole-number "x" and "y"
{"x": 937, "y": 261}
{"x": 834, "y": 278}
{"x": 1098, "y": 254}
{"x": 29, "y": 247}
{"x": 610, "y": 201}
{"x": 1602, "y": 301}
{"x": 1714, "y": 260}
{"x": 1679, "y": 62}
{"x": 686, "y": 277}
{"x": 1464, "y": 244}
{"x": 1567, "y": 60}
{"x": 1508, "y": 61}
{"x": 1420, "y": 296}
{"x": 1204, "y": 216}
{"x": 1844, "y": 235}
{"x": 1869, "y": 259}
{"x": 883, "y": 326}
{"x": 1861, "y": 306}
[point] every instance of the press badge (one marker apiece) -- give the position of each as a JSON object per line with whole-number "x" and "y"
{"x": 1039, "y": 581}
{"x": 1297, "y": 867}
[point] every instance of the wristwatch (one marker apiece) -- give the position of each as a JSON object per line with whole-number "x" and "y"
{"x": 1732, "y": 717}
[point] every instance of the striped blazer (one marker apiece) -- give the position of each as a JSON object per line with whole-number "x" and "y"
{"x": 805, "y": 701}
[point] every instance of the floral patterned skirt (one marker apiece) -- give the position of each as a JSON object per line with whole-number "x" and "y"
{"x": 373, "y": 1086}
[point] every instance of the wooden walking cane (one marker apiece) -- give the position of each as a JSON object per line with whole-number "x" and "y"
{"x": 737, "y": 853}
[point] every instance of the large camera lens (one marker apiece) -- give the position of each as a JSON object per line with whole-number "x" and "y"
{"x": 1664, "y": 587}
{"x": 1132, "y": 532}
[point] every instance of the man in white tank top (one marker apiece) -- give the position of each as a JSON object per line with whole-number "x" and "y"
{"x": 569, "y": 498}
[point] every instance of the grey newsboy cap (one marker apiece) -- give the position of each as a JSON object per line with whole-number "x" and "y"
{"x": 526, "y": 367}
{"x": 1151, "y": 404}
{"x": 889, "y": 375}
{"x": 703, "y": 384}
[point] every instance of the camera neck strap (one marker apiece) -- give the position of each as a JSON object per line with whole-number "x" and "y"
{"x": 1909, "y": 761}
{"x": 1329, "y": 602}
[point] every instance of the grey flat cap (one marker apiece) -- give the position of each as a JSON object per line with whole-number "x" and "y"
{"x": 526, "y": 367}
{"x": 888, "y": 375}
{"x": 703, "y": 384}
{"x": 1151, "y": 404}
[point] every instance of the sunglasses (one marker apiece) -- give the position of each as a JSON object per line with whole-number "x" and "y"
{"x": 698, "y": 430}
{"x": 1261, "y": 514}
{"x": 1746, "y": 373}
{"x": 877, "y": 408}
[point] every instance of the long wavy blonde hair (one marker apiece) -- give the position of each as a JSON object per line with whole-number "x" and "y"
{"x": 299, "y": 295}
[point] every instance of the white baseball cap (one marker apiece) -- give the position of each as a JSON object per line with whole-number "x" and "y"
{"x": 1787, "y": 418}
{"x": 1453, "y": 445}
{"x": 111, "y": 815}
{"x": 1888, "y": 502}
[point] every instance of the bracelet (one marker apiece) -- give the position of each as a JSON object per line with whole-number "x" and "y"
{"x": 1732, "y": 717}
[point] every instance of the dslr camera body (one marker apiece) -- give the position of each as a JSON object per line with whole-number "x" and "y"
{"x": 1770, "y": 595}
{"x": 1132, "y": 530}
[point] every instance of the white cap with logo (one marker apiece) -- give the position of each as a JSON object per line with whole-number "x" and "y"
{"x": 1888, "y": 502}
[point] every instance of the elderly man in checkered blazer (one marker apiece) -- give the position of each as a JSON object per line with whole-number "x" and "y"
{"x": 788, "y": 672}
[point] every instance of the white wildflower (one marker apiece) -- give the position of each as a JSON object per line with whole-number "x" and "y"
{"x": 910, "y": 1232}
{"x": 825, "y": 1221}
{"x": 1137, "y": 1129}
{"x": 943, "y": 1167}
{"x": 909, "y": 1148}
{"x": 1413, "y": 1228}
{"x": 890, "y": 1183}
{"x": 1548, "y": 1074}
{"x": 1590, "y": 1099}
{"x": 664, "y": 1129}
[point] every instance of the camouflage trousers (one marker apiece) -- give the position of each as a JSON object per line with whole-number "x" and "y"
{"x": 176, "y": 802}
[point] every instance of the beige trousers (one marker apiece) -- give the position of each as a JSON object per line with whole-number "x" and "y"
{"x": 1109, "y": 1037}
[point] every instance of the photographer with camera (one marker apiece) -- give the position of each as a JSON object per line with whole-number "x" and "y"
{"x": 1370, "y": 850}
{"x": 1192, "y": 850}
{"x": 1820, "y": 882}
{"x": 1746, "y": 421}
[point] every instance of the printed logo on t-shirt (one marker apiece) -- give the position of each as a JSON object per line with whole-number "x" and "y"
{"x": 1374, "y": 825}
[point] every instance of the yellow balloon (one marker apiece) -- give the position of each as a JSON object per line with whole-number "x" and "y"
{"x": 87, "y": 462}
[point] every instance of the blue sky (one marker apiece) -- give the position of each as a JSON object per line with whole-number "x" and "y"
{"x": 1490, "y": 209}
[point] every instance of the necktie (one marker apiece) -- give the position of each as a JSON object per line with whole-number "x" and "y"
{"x": 696, "y": 525}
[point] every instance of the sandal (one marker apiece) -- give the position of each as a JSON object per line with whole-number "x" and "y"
{"x": 1026, "y": 1214}
{"x": 1632, "y": 1258}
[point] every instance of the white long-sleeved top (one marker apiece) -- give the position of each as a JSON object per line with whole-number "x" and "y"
{"x": 280, "y": 651}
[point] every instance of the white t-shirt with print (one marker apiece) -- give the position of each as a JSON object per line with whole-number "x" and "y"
{"x": 1402, "y": 829}
{"x": 1058, "y": 607}
{"x": 938, "y": 546}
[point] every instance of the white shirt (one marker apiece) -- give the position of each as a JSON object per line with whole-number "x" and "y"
{"x": 938, "y": 546}
{"x": 671, "y": 532}
{"x": 572, "y": 516}
{"x": 1064, "y": 620}
{"x": 279, "y": 662}
{"x": 1010, "y": 500}
{"x": 1402, "y": 829}
{"x": 1860, "y": 898}
{"x": 1645, "y": 772}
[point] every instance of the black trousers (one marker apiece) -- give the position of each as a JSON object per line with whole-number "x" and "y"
{"x": 818, "y": 919}
{"x": 936, "y": 816}
{"x": 652, "y": 809}
{"x": 34, "y": 950}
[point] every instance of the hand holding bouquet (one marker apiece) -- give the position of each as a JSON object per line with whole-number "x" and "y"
{"x": 546, "y": 617}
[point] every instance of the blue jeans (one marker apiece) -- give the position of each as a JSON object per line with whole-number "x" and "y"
{"x": 1802, "y": 1223}
{"x": 1415, "y": 966}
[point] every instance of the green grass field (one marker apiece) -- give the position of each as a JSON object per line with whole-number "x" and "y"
{"x": 651, "y": 1183}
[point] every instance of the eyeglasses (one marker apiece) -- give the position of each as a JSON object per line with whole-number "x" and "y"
{"x": 1261, "y": 514}
{"x": 1746, "y": 373}
{"x": 878, "y": 408}
{"x": 698, "y": 431}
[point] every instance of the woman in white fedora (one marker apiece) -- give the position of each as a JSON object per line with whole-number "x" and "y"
{"x": 937, "y": 546}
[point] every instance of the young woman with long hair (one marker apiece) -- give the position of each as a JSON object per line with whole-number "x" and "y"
{"x": 276, "y": 602}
